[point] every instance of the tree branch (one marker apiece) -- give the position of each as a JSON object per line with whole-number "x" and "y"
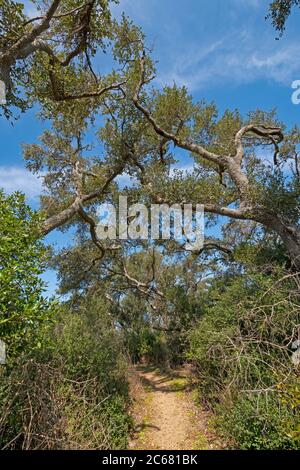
{"x": 12, "y": 53}
{"x": 66, "y": 215}
{"x": 272, "y": 133}
{"x": 239, "y": 213}
{"x": 216, "y": 245}
{"x": 194, "y": 148}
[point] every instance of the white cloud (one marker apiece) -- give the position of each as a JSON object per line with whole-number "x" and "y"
{"x": 19, "y": 179}
{"x": 234, "y": 45}
{"x": 238, "y": 58}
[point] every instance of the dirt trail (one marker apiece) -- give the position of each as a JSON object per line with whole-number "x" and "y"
{"x": 166, "y": 416}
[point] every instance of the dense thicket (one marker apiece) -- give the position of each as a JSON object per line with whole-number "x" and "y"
{"x": 231, "y": 308}
{"x": 242, "y": 351}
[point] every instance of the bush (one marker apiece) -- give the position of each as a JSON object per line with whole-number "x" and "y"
{"x": 24, "y": 311}
{"x": 258, "y": 423}
{"x": 241, "y": 350}
{"x": 42, "y": 409}
{"x": 72, "y": 394}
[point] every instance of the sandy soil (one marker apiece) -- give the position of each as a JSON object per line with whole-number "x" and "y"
{"x": 166, "y": 416}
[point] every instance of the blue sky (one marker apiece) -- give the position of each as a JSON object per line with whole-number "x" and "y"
{"x": 222, "y": 50}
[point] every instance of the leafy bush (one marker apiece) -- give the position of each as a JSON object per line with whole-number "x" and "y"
{"x": 258, "y": 423}
{"x": 23, "y": 310}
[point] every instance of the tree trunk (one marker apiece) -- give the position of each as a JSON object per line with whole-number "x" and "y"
{"x": 292, "y": 243}
{"x": 290, "y": 235}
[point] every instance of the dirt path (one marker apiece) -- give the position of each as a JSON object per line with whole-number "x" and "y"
{"x": 166, "y": 416}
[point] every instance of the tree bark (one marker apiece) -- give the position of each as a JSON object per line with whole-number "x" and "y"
{"x": 290, "y": 235}
{"x": 60, "y": 219}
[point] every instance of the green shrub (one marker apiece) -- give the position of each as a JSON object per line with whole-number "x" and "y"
{"x": 257, "y": 423}
{"x": 23, "y": 310}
